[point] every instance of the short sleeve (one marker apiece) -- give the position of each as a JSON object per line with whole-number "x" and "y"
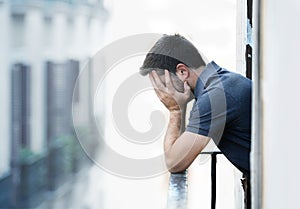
{"x": 208, "y": 114}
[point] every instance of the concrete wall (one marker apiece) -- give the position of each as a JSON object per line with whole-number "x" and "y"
{"x": 279, "y": 79}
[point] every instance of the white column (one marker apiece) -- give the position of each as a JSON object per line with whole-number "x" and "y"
{"x": 94, "y": 38}
{"x": 81, "y": 42}
{"x": 280, "y": 74}
{"x": 241, "y": 36}
{"x": 4, "y": 90}
{"x": 95, "y": 35}
{"x": 34, "y": 50}
{"x": 60, "y": 37}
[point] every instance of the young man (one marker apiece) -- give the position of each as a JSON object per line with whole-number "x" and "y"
{"x": 221, "y": 110}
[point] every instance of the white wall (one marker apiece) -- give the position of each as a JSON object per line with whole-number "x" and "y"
{"x": 280, "y": 73}
{"x": 241, "y": 36}
{"x": 34, "y": 52}
{"x": 241, "y": 26}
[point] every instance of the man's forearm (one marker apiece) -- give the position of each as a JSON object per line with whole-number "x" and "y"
{"x": 175, "y": 128}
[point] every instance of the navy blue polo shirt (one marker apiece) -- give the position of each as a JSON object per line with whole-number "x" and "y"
{"x": 222, "y": 111}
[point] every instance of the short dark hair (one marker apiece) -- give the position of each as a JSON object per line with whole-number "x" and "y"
{"x": 168, "y": 52}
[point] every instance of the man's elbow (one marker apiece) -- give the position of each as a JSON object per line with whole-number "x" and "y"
{"x": 175, "y": 167}
{"x": 176, "y": 170}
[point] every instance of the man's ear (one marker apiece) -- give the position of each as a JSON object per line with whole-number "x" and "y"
{"x": 182, "y": 71}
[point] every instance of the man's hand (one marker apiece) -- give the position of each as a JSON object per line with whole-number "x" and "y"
{"x": 181, "y": 148}
{"x": 168, "y": 95}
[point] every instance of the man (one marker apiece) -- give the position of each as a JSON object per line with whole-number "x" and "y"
{"x": 221, "y": 110}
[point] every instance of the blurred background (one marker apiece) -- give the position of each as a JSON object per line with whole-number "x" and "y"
{"x": 44, "y": 45}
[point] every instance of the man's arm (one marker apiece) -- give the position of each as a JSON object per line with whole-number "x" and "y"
{"x": 180, "y": 148}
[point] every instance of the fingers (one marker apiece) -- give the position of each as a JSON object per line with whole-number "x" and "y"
{"x": 187, "y": 88}
{"x": 155, "y": 79}
{"x": 169, "y": 83}
{"x": 152, "y": 80}
{"x": 157, "y": 83}
{"x": 159, "y": 94}
{"x": 157, "y": 91}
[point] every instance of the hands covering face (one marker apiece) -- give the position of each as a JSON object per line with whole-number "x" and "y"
{"x": 168, "y": 95}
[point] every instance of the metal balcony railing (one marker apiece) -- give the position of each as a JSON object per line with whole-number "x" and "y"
{"x": 177, "y": 194}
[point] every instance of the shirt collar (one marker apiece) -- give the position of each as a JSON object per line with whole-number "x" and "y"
{"x": 211, "y": 69}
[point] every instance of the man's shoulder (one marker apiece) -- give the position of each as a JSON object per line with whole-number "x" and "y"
{"x": 234, "y": 76}
{"x": 235, "y": 83}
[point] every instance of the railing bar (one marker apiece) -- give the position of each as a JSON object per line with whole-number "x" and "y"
{"x": 210, "y": 153}
{"x": 213, "y": 179}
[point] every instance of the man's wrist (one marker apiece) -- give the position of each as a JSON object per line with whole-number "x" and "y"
{"x": 180, "y": 111}
{"x": 178, "y": 116}
{"x": 175, "y": 112}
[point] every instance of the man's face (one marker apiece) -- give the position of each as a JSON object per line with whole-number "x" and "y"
{"x": 178, "y": 84}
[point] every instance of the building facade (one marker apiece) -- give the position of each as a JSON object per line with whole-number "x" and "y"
{"x": 44, "y": 45}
